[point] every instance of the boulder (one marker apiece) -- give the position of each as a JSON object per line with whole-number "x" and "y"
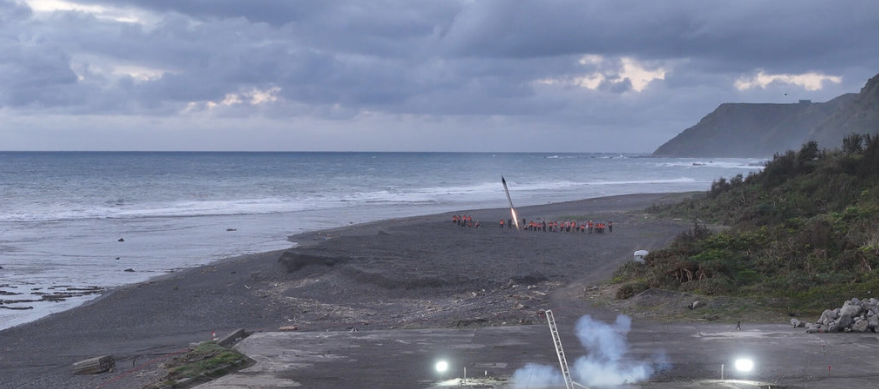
{"x": 833, "y": 327}
{"x": 855, "y": 315}
{"x": 851, "y": 310}
{"x": 795, "y": 323}
{"x": 859, "y": 325}
{"x": 827, "y": 317}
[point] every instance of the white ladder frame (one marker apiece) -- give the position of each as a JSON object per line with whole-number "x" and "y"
{"x": 563, "y": 363}
{"x": 560, "y": 352}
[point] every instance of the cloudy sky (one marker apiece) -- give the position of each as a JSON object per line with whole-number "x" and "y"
{"x": 411, "y": 75}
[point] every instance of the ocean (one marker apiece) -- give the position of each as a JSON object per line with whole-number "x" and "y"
{"x": 73, "y": 224}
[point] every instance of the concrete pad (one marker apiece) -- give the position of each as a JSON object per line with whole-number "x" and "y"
{"x": 783, "y": 356}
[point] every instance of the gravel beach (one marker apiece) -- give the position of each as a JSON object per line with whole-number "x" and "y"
{"x": 419, "y": 272}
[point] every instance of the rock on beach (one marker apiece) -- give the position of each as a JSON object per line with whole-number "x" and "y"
{"x": 855, "y": 315}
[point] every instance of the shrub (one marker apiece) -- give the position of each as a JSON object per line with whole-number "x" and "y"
{"x": 630, "y": 289}
{"x": 807, "y": 222}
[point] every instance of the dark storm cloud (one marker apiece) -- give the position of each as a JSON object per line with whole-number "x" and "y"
{"x": 265, "y": 11}
{"x": 479, "y": 59}
{"x": 32, "y": 71}
{"x": 385, "y": 27}
{"x": 744, "y": 33}
{"x": 391, "y": 52}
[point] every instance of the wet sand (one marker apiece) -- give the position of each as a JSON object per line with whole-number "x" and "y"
{"x": 420, "y": 272}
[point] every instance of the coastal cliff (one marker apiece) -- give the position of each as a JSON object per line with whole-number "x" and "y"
{"x": 861, "y": 115}
{"x": 761, "y": 130}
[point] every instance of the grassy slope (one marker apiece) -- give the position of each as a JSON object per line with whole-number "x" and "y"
{"x": 804, "y": 233}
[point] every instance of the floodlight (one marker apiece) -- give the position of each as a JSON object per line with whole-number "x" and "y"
{"x": 442, "y": 366}
{"x": 744, "y": 365}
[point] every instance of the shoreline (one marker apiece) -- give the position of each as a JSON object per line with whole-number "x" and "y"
{"x": 412, "y": 272}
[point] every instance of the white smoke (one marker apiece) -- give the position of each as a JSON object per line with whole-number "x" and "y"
{"x": 534, "y": 376}
{"x": 604, "y": 365}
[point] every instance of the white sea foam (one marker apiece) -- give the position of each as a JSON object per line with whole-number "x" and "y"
{"x": 748, "y": 165}
{"x": 182, "y": 208}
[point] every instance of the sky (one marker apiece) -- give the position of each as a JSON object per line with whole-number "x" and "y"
{"x": 405, "y": 75}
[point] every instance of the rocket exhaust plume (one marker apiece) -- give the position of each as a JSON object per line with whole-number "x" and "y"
{"x": 605, "y": 365}
{"x": 512, "y": 210}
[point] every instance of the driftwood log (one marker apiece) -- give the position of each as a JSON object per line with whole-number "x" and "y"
{"x": 94, "y": 365}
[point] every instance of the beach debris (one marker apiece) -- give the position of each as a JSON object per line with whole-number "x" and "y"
{"x": 288, "y": 328}
{"x": 478, "y": 321}
{"x": 54, "y": 296}
{"x": 95, "y": 365}
{"x": 639, "y": 256}
{"x": 855, "y": 315}
{"x": 694, "y": 304}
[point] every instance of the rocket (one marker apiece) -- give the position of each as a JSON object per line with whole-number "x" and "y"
{"x": 512, "y": 210}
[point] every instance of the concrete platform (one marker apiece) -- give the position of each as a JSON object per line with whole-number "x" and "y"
{"x": 784, "y": 357}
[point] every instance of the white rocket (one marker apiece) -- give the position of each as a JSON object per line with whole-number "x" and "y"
{"x": 512, "y": 210}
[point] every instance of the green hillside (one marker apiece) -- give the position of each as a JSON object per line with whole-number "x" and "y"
{"x": 804, "y": 230}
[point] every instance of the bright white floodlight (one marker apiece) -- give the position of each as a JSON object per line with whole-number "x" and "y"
{"x": 744, "y": 365}
{"x": 442, "y": 366}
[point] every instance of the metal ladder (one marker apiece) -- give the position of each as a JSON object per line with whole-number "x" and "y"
{"x": 550, "y": 319}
